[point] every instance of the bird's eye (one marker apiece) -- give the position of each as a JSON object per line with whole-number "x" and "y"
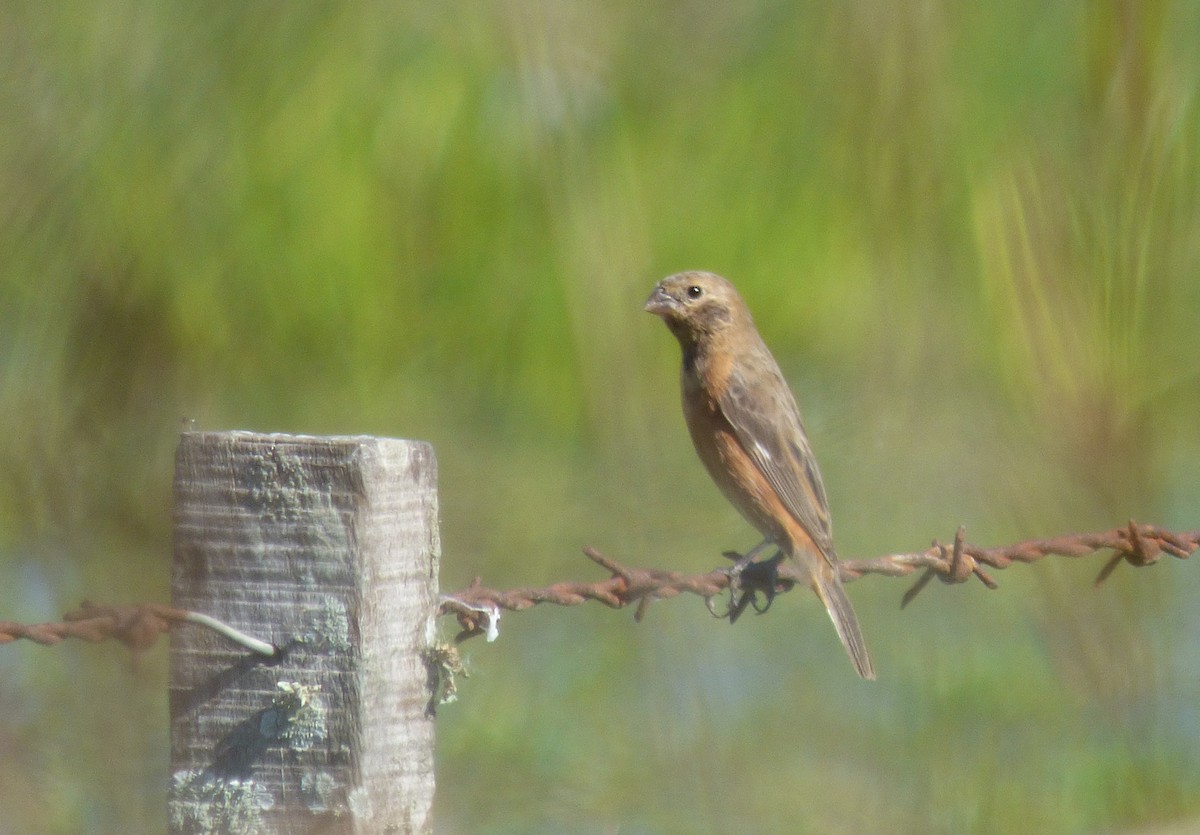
{"x": 694, "y": 292}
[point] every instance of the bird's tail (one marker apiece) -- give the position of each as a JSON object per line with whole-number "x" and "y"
{"x": 828, "y": 586}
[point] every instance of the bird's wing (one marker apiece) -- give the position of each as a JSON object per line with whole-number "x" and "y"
{"x": 762, "y": 411}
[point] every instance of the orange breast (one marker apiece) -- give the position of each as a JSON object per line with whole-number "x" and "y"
{"x": 734, "y": 472}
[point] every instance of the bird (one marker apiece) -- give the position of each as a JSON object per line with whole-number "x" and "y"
{"x": 746, "y": 428}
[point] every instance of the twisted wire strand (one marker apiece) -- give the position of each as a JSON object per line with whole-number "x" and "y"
{"x": 137, "y": 625}
{"x": 477, "y": 606}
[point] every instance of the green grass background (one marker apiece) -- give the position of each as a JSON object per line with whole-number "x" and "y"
{"x": 970, "y": 232}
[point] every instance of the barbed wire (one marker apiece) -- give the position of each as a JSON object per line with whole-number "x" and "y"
{"x": 478, "y": 608}
{"x": 137, "y": 625}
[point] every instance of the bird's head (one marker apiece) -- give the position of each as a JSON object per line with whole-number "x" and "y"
{"x": 696, "y": 306}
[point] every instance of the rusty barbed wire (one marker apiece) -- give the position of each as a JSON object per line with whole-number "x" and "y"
{"x": 137, "y": 625}
{"x": 478, "y": 608}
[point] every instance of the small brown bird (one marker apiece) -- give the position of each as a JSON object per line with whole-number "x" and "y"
{"x": 746, "y": 428}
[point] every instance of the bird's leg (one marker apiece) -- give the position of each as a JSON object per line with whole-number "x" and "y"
{"x": 749, "y": 577}
{"x": 740, "y": 561}
{"x": 763, "y": 575}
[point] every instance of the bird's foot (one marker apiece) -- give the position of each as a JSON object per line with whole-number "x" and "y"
{"x": 747, "y": 578}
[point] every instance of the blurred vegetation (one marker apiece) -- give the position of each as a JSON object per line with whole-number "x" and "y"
{"x": 970, "y": 232}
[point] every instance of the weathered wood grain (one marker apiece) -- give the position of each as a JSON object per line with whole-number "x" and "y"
{"x": 328, "y": 548}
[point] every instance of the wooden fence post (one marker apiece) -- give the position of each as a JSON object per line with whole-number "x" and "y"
{"x": 328, "y": 548}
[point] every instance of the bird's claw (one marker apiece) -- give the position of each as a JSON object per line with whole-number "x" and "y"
{"x": 749, "y": 578}
{"x": 712, "y": 608}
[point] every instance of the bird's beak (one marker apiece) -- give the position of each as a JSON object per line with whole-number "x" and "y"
{"x": 660, "y": 303}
